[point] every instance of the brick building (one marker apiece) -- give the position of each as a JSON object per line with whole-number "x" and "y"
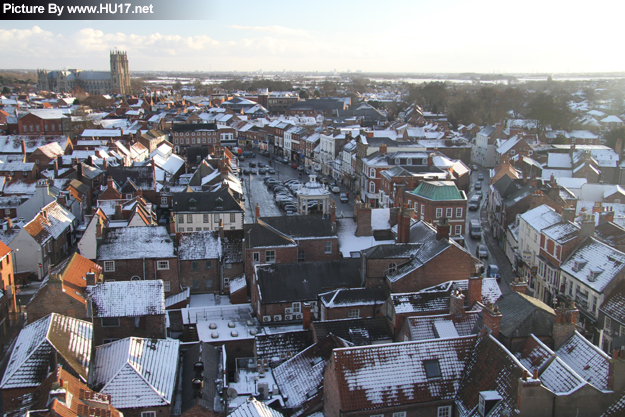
{"x": 199, "y": 255}
{"x": 63, "y": 290}
{"x": 351, "y": 303}
{"x": 435, "y": 200}
{"x": 139, "y": 253}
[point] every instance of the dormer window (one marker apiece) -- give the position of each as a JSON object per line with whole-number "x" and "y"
{"x": 578, "y": 264}
{"x": 594, "y": 273}
{"x": 432, "y": 368}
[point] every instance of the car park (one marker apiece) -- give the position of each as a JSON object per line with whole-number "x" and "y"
{"x": 481, "y": 251}
{"x": 492, "y": 271}
{"x": 343, "y": 197}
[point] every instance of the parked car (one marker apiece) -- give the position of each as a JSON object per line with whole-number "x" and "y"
{"x": 260, "y": 165}
{"x": 474, "y": 167}
{"x": 246, "y": 171}
{"x": 323, "y": 180}
{"x": 343, "y": 197}
{"x": 481, "y": 251}
{"x": 261, "y": 171}
{"x": 478, "y": 194}
{"x": 478, "y": 185}
{"x": 335, "y": 189}
{"x": 290, "y": 207}
{"x": 474, "y": 203}
{"x": 252, "y": 165}
{"x": 271, "y": 171}
{"x": 480, "y": 177}
{"x": 492, "y": 271}
{"x": 301, "y": 168}
{"x": 253, "y": 171}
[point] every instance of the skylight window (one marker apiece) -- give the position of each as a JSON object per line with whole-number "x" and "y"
{"x": 432, "y": 369}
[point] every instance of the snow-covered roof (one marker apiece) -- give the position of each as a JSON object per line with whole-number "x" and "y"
{"x": 254, "y": 408}
{"x": 29, "y": 361}
{"x": 559, "y": 160}
{"x": 349, "y": 242}
{"x": 50, "y": 222}
{"x": 136, "y": 372}
{"x": 199, "y": 246}
{"x": 541, "y": 217}
{"x": 134, "y": 298}
{"x": 371, "y": 377}
{"x": 594, "y": 264}
{"x": 136, "y": 243}
{"x": 101, "y": 133}
{"x": 587, "y": 360}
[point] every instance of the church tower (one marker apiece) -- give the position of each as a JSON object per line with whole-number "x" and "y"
{"x": 120, "y": 76}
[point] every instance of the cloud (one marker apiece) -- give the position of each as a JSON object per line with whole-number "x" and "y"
{"x": 274, "y": 30}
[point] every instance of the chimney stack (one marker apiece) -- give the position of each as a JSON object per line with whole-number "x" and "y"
{"x": 565, "y": 324}
{"x": 90, "y": 277}
{"x": 118, "y": 212}
{"x": 306, "y": 315}
{"x": 474, "y": 290}
{"x": 56, "y": 168}
{"x": 363, "y": 219}
{"x": 568, "y": 213}
{"x": 518, "y": 286}
{"x": 431, "y": 160}
{"x": 105, "y": 164}
{"x": 221, "y": 229}
{"x": 332, "y": 211}
{"x": 383, "y": 149}
{"x": 456, "y": 304}
{"x": 98, "y": 228}
{"x": 109, "y": 182}
{"x": 403, "y": 225}
{"x": 9, "y": 224}
{"x": 491, "y": 320}
{"x": 442, "y": 229}
{"x": 257, "y": 211}
{"x": 588, "y": 226}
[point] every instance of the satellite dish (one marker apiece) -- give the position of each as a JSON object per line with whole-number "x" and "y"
{"x": 232, "y": 393}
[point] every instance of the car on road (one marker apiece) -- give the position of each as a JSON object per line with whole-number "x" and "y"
{"x": 335, "y": 189}
{"x": 481, "y": 251}
{"x": 478, "y": 194}
{"x": 475, "y": 229}
{"x": 343, "y": 197}
{"x": 474, "y": 167}
{"x": 474, "y": 203}
{"x": 249, "y": 154}
{"x": 492, "y": 271}
{"x": 301, "y": 168}
{"x": 271, "y": 171}
{"x": 478, "y": 185}
{"x": 480, "y": 177}
{"x": 323, "y": 180}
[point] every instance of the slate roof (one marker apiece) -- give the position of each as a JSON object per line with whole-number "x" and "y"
{"x": 136, "y": 372}
{"x": 56, "y": 221}
{"x": 541, "y": 217}
{"x": 616, "y": 409}
{"x": 301, "y": 227}
{"x": 598, "y": 257}
{"x": 425, "y": 234}
{"x": 141, "y": 176}
{"x": 491, "y": 367}
{"x": 553, "y": 372}
{"x": 562, "y": 232}
{"x": 362, "y": 331}
{"x": 345, "y": 297}
{"x": 136, "y": 243}
{"x": 587, "y": 360}
{"x": 260, "y": 235}
{"x": 523, "y": 315}
{"x": 276, "y": 346}
{"x": 395, "y": 250}
{"x": 127, "y": 298}
{"x": 211, "y": 358}
{"x": 206, "y": 201}
{"x": 29, "y": 365}
{"x": 505, "y": 186}
{"x": 438, "y": 191}
{"x": 614, "y": 305}
{"x": 380, "y": 376}
{"x": 199, "y": 245}
{"x": 303, "y": 374}
{"x": 303, "y": 281}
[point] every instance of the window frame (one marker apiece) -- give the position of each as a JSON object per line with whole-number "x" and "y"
{"x": 459, "y": 212}
{"x": 208, "y": 264}
{"x": 327, "y": 247}
{"x": 353, "y": 313}
{"x": 270, "y": 256}
{"x": 444, "y": 411}
{"x": 112, "y": 321}
{"x": 109, "y": 266}
{"x": 162, "y": 265}
{"x": 439, "y": 212}
{"x": 167, "y": 286}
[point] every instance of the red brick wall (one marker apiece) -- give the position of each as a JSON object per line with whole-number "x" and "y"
{"x": 53, "y": 300}
{"x": 338, "y": 313}
{"x": 451, "y": 264}
{"x": 284, "y": 254}
{"x": 149, "y": 327}
{"x": 376, "y": 270}
{"x": 188, "y": 275}
{"x": 314, "y": 249}
{"x": 164, "y": 411}
{"x": 125, "y": 269}
{"x": 430, "y": 211}
{"x": 9, "y": 396}
{"x": 199, "y": 411}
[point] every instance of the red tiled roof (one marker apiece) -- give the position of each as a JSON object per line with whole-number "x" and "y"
{"x": 371, "y": 377}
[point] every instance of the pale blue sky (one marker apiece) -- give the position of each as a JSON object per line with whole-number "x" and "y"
{"x": 394, "y": 36}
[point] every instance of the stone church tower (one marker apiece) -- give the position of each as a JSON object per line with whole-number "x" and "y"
{"x": 120, "y": 76}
